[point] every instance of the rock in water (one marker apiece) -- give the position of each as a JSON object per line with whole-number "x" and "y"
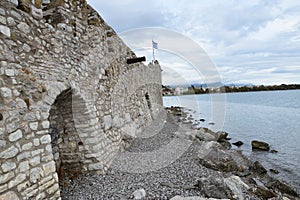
{"x": 238, "y": 143}
{"x": 274, "y": 151}
{"x": 258, "y": 145}
{"x": 258, "y": 168}
{"x": 139, "y": 194}
{"x": 274, "y": 171}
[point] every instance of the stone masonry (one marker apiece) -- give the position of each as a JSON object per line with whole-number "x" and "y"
{"x": 68, "y": 100}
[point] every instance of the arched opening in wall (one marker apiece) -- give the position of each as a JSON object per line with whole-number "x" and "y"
{"x": 147, "y": 97}
{"x": 64, "y": 138}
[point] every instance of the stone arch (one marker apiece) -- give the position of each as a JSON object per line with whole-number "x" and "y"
{"x": 65, "y": 139}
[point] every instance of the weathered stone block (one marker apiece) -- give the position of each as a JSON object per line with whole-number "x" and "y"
{"x": 19, "y": 179}
{"x": 27, "y": 146}
{"x": 45, "y": 124}
{"x": 15, "y": 135}
{"x": 49, "y": 168}
{"x": 53, "y": 189}
{"x": 9, "y": 72}
{"x": 46, "y": 139}
{"x": 8, "y": 166}
{"x": 23, "y": 155}
{"x": 12, "y": 151}
{"x": 34, "y": 126}
{"x": 5, "y": 30}
{"x": 6, "y": 177}
{"x": 23, "y": 27}
{"x": 5, "y": 92}
{"x": 36, "y": 142}
{"x": 35, "y": 161}
{"x": 23, "y": 166}
{"x": 11, "y": 22}
{"x": 35, "y": 174}
{"x": 10, "y": 195}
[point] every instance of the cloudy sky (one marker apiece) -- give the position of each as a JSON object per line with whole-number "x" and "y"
{"x": 255, "y": 42}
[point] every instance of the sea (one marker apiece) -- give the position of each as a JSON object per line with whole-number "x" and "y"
{"x": 269, "y": 116}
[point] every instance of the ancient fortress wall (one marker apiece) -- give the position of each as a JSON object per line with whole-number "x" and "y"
{"x": 68, "y": 100}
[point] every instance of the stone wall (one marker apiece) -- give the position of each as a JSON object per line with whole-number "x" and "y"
{"x": 68, "y": 100}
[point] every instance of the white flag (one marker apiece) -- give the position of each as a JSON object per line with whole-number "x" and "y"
{"x": 154, "y": 45}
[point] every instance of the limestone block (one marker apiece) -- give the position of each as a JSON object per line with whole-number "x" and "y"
{"x": 46, "y": 139}
{"x": 5, "y": 30}
{"x": 26, "y": 48}
{"x": 10, "y": 195}
{"x": 9, "y": 153}
{"x": 118, "y": 122}
{"x": 35, "y": 161}
{"x": 45, "y": 124}
{"x": 34, "y": 126}
{"x": 8, "y": 166}
{"x": 36, "y": 13}
{"x": 3, "y": 188}
{"x": 9, "y": 72}
{"x": 19, "y": 179}
{"x": 22, "y": 156}
{"x": 11, "y": 22}
{"x": 6, "y": 177}
{"x": 36, "y": 142}
{"x": 27, "y": 146}
{"x": 24, "y": 28}
{"x": 49, "y": 168}
{"x": 23, "y": 166}
{"x": 53, "y": 189}
{"x": 15, "y": 135}
{"x": 35, "y": 174}
{"x": 5, "y": 92}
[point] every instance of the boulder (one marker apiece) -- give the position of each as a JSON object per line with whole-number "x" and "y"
{"x": 237, "y": 186}
{"x": 219, "y": 160}
{"x": 258, "y": 145}
{"x": 221, "y": 135}
{"x": 283, "y": 188}
{"x": 263, "y": 192}
{"x": 215, "y": 187}
{"x": 258, "y": 168}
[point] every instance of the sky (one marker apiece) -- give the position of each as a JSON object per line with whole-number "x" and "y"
{"x": 203, "y": 41}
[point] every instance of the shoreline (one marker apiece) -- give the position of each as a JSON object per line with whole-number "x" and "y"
{"x": 209, "y": 168}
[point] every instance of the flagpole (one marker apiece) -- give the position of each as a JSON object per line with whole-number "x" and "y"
{"x": 153, "y": 54}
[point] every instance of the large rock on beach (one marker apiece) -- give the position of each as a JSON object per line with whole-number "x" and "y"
{"x": 214, "y": 187}
{"x": 221, "y": 160}
{"x": 259, "y": 145}
{"x": 283, "y": 188}
{"x": 258, "y": 168}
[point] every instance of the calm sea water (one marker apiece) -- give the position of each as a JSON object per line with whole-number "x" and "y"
{"x": 272, "y": 116}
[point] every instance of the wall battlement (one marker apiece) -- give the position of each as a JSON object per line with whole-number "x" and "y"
{"x": 68, "y": 100}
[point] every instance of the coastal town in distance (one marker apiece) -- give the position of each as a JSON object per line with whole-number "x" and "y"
{"x": 204, "y": 89}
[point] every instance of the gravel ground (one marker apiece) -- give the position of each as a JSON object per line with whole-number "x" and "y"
{"x": 177, "y": 178}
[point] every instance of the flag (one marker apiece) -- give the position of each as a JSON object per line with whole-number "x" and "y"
{"x": 154, "y": 45}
